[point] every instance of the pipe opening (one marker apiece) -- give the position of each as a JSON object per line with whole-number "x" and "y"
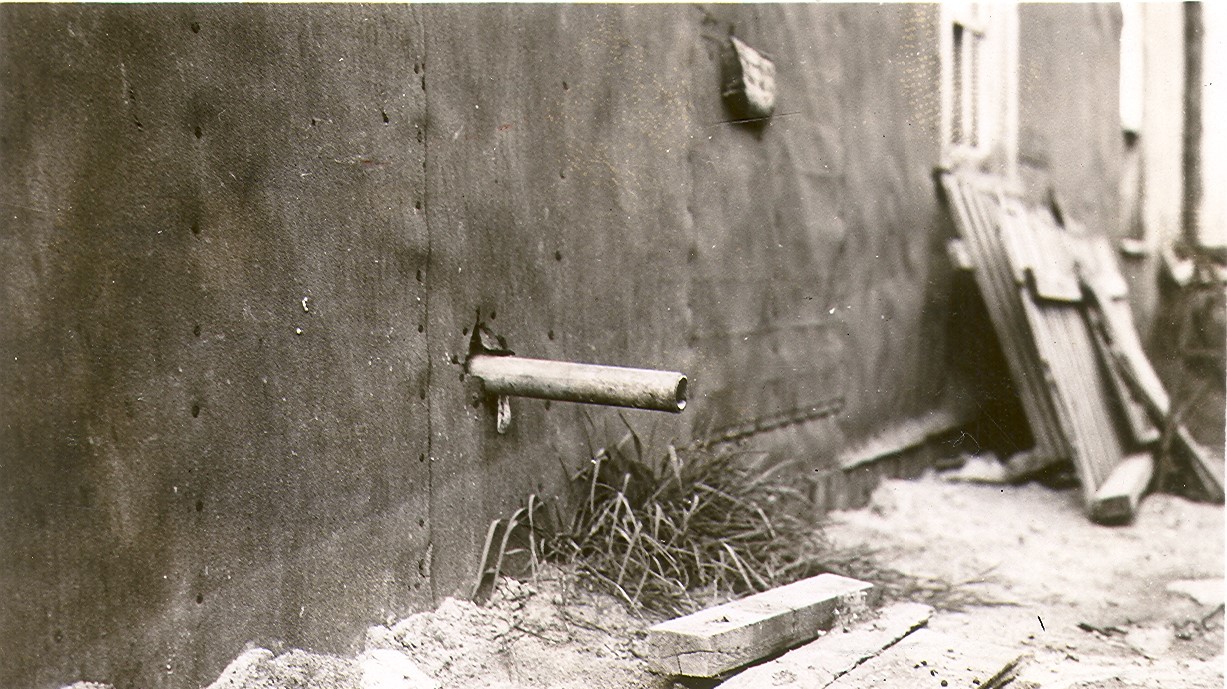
{"x": 680, "y": 394}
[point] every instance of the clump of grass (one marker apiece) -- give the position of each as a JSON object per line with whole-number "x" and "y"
{"x": 693, "y": 525}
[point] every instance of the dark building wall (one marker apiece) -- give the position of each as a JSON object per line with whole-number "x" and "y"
{"x": 182, "y": 468}
{"x": 199, "y": 457}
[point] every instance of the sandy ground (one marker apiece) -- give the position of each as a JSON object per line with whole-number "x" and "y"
{"x": 1030, "y": 549}
{"x": 1112, "y": 607}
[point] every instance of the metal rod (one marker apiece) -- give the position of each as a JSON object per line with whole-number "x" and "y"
{"x": 586, "y": 383}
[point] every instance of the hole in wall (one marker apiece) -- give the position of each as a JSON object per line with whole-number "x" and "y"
{"x": 195, "y": 410}
{"x": 196, "y": 330}
{"x": 421, "y": 328}
{"x": 198, "y": 132}
{"x": 200, "y": 505}
{"x": 550, "y": 334}
{"x": 557, "y": 255}
{"x": 385, "y": 116}
{"x": 199, "y": 598}
{"x": 195, "y": 27}
{"x": 195, "y": 227}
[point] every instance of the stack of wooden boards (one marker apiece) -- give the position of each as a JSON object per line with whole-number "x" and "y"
{"x": 1059, "y": 305}
{"x": 849, "y": 645}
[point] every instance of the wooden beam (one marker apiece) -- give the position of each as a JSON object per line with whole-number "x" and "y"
{"x": 926, "y": 658}
{"x": 1116, "y": 501}
{"x": 1113, "y": 362}
{"x": 1209, "y": 471}
{"x": 835, "y": 653}
{"x": 713, "y": 641}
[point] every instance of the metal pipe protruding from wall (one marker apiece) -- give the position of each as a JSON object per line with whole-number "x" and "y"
{"x": 617, "y": 386}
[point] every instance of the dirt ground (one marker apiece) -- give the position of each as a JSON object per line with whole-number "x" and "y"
{"x": 1112, "y": 607}
{"x": 1093, "y": 605}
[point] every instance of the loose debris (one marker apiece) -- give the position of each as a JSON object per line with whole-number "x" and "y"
{"x": 1192, "y": 628}
{"x": 1108, "y": 630}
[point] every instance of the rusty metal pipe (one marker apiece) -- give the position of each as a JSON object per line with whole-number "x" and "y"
{"x": 617, "y": 386}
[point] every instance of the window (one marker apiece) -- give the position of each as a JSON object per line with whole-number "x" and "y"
{"x": 979, "y": 47}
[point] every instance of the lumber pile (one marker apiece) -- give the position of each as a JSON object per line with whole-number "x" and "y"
{"x": 836, "y": 639}
{"x": 1059, "y": 306}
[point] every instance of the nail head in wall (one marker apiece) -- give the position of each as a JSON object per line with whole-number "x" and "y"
{"x": 58, "y": 636}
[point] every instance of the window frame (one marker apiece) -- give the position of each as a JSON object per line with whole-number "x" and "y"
{"x": 979, "y": 85}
